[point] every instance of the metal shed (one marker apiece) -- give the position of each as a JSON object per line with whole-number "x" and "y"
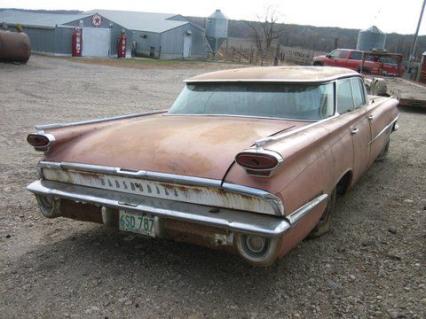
{"x": 157, "y": 35}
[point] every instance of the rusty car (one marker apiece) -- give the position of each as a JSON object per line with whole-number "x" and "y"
{"x": 249, "y": 160}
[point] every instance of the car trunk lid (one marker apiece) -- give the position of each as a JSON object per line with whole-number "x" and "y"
{"x": 201, "y": 146}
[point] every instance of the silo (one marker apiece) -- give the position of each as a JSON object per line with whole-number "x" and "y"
{"x": 370, "y": 39}
{"x": 216, "y": 30}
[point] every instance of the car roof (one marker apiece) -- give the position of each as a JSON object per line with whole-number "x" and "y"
{"x": 287, "y": 74}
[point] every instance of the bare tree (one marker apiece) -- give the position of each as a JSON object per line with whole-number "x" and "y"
{"x": 265, "y": 31}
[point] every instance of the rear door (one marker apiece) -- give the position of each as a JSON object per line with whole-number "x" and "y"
{"x": 351, "y": 103}
{"x": 380, "y": 118}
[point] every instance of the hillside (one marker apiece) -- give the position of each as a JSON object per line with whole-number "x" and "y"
{"x": 322, "y": 38}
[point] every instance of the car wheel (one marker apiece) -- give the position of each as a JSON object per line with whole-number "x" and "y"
{"x": 318, "y": 63}
{"x": 323, "y": 225}
{"x": 383, "y": 154}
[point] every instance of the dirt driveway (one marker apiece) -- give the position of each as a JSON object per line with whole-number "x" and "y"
{"x": 371, "y": 265}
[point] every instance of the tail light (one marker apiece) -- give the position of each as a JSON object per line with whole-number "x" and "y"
{"x": 259, "y": 162}
{"x": 40, "y": 141}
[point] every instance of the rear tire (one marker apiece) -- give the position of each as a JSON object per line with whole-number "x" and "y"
{"x": 324, "y": 223}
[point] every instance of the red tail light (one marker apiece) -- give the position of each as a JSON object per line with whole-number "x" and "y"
{"x": 41, "y": 142}
{"x": 259, "y": 162}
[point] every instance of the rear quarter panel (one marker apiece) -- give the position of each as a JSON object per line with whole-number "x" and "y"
{"x": 314, "y": 160}
{"x": 384, "y": 111}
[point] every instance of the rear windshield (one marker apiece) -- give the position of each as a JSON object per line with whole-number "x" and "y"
{"x": 275, "y": 100}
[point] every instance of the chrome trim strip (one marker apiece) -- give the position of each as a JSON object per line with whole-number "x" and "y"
{"x": 262, "y": 142}
{"x": 387, "y": 127}
{"x": 114, "y": 118}
{"x": 273, "y": 200}
{"x": 164, "y": 177}
{"x": 298, "y": 214}
{"x": 242, "y": 116}
{"x": 235, "y": 221}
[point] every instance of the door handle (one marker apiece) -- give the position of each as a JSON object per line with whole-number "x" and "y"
{"x": 371, "y": 117}
{"x": 355, "y": 130}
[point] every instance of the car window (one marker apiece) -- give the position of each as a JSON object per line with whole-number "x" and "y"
{"x": 343, "y": 54}
{"x": 358, "y": 92}
{"x": 335, "y": 53}
{"x": 356, "y": 55}
{"x": 345, "y": 102}
{"x": 274, "y": 100}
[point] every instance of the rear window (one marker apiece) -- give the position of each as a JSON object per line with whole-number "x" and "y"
{"x": 273, "y": 100}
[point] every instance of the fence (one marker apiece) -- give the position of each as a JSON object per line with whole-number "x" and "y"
{"x": 245, "y": 51}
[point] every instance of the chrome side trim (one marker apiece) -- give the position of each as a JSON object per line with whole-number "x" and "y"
{"x": 387, "y": 127}
{"x": 114, "y": 118}
{"x": 262, "y": 142}
{"x": 235, "y": 221}
{"x": 242, "y": 116}
{"x": 273, "y": 200}
{"x": 298, "y": 214}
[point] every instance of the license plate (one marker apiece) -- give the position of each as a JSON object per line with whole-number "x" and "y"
{"x": 138, "y": 223}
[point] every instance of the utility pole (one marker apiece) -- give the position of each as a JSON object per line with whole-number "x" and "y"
{"x": 413, "y": 47}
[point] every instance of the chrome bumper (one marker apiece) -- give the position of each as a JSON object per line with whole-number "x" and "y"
{"x": 231, "y": 220}
{"x": 234, "y": 221}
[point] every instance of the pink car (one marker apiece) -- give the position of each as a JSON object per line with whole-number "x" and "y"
{"x": 248, "y": 160}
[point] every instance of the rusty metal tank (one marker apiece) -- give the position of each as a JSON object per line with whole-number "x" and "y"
{"x": 14, "y": 47}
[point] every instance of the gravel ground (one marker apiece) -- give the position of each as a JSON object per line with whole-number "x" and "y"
{"x": 371, "y": 265}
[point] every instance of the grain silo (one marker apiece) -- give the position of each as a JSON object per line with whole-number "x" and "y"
{"x": 371, "y": 39}
{"x": 216, "y": 30}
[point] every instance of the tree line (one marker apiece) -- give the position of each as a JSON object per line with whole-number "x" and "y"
{"x": 319, "y": 38}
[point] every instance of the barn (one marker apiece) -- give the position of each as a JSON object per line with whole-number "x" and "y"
{"x": 156, "y": 35}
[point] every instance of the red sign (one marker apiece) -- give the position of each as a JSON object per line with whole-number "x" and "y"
{"x": 96, "y": 20}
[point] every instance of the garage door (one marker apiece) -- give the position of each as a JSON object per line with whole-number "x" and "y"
{"x": 96, "y": 41}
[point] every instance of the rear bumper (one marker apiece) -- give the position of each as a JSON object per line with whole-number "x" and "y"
{"x": 221, "y": 226}
{"x": 231, "y": 220}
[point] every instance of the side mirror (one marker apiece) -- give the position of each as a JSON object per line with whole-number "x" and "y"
{"x": 328, "y": 56}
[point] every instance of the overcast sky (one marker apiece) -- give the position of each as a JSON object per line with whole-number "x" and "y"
{"x": 388, "y": 15}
